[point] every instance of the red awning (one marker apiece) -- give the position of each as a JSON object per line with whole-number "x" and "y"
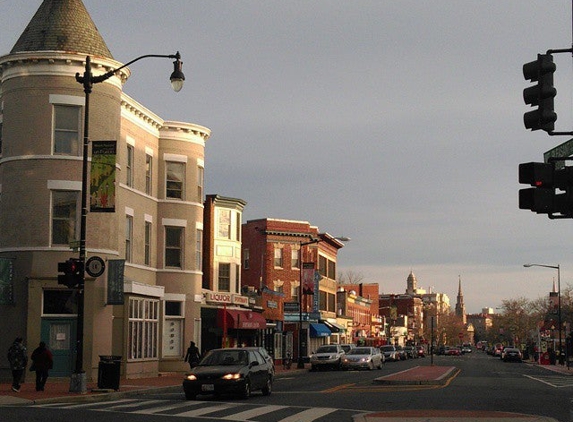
{"x": 244, "y": 320}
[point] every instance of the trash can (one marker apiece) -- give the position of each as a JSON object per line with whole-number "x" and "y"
{"x": 108, "y": 373}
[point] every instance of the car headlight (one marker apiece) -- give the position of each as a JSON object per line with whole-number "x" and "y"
{"x": 191, "y": 377}
{"x": 234, "y": 376}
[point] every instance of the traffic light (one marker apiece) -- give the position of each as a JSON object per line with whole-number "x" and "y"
{"x": 540, "y": 95}
{"x": 72, "y": 272}
{"x": 552, "y": 189}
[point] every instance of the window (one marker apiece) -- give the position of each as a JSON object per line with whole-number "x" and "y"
{"x": 238, "y": 226}
{"x": 143, "y": 328}
{"x": 175, "y": 178}
{"x": 199, "y": 250}
{"x": 237, "y": 278}
{"x": 59, "y": 302}
{"x": 294, "y": 293}
{"x": 294, "y": 262}
{"x": 200, "y": 182}
{"x": 148, "y": 173}
{"x": 278, "y": 258}
{"x": 224, "y": 226}
{"x": 128, "y": 237}
{"x": 1, "y": 125}
{"x": 65, "y": 212}
{"x": 224, "y": 277}
{"x": 129, "y": 167}
{"x": 246, "y": 259}
{"x": 147, "y": 245}
{"x": 66, "y": 130}
{"x": 174, "y": 247}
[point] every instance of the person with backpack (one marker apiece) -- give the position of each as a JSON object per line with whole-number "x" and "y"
{"x": 18, "y": 358}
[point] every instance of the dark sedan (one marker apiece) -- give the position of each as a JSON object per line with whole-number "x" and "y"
{"x": 230, "y": 371}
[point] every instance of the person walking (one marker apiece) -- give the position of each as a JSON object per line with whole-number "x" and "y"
{"x": 43, "y": 361}
{"x": 193, "y": 356}
{"x": 18, "y": 358}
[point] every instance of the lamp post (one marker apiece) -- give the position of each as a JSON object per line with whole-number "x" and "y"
{"x": 78, "y": 379}
{"x": 300, "y": 361}
{"x": 558, "y": 268}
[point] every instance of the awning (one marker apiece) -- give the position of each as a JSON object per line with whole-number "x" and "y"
{"x": 334, "y": 327}
{"x": 239, "y": 319}
{"x": 319, "y": 330}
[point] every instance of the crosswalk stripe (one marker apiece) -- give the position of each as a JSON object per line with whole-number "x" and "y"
{"x": 205, "y": 410}
{"x": 136, "y": 403}
{"x": 309, "y": 414}
{"x": 248, "y": 414}
{"x": 152, "y": 410}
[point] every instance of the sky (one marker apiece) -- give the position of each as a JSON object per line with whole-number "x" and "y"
{"x": 398, "y": 124}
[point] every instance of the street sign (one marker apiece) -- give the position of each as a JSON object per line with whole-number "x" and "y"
{"x": 563, "y": 150}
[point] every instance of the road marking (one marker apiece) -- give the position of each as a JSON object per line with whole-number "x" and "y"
{"x": 338, "y": 388}
{"x": 153, "y": 410}
{"x": 252, "y": 413}
{"x": 556, "y": 381}
{"x": 206, "y": 410}
{"x": 309, "y": 414}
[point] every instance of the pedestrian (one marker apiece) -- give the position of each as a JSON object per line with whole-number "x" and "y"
{"x": 18, "y": 358}
{"x": 42, "y": 362}
{"x": 193, "y": 356}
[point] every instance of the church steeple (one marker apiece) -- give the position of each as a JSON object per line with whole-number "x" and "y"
{"x": 62, "y": 25}
{"x": 411, "y": 284}
{"x": 460, "y": 307}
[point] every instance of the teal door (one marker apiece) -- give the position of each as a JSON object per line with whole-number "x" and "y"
{"x": 60, "y": 336}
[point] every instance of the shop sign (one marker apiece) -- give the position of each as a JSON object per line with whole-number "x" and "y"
{"x": 240, "y": 300}
{"x": 217, "y": 297}
{"x": 272, "y": 304}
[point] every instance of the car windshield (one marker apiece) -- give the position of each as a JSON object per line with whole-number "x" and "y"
{"x": 327, "y": 349}
{"x": 225, "y": 357}
{"x": 388, "y": 348}
{"x": 359, "y": 351}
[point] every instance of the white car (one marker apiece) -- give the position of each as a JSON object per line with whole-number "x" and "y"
{"x": 328, "y": 355}
{"x": 363, "y": 358}
{"x": 390, "y": 353}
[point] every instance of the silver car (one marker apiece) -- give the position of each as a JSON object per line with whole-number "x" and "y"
{"x": 329, "y": 355}
{"x": 363, "y": 358}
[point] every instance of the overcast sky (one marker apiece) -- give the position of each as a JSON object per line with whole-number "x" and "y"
{"x": 395, "y": 123}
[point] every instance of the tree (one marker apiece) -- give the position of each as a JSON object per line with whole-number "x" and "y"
{"x": 350, "y": 277}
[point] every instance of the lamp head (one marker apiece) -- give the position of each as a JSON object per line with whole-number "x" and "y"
{"x": 527, "y": 265}
{"x": 177, "y": 77}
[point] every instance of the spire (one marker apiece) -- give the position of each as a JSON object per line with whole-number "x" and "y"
{"x": 460, "y": 286}
{"x": 554, "y": 288}
{"x": 62, "y": 25}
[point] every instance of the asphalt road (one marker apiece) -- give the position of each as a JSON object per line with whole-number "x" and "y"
{"x": 483, "y": 383}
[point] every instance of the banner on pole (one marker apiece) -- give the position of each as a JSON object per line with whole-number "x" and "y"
{"x": 308, "y": 278}
{"x": 102, "y": 176}
{"x": 6, "y": 281}
{"x": 115, "y": 269}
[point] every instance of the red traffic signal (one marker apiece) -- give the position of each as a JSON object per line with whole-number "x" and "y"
{"x": 72, "y": 272}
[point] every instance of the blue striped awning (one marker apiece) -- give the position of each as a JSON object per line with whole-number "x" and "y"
{"x": 319, "y": 330}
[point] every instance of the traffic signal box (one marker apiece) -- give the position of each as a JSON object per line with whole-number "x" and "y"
{"x": 541, "y": 95}
{"x": 552, "y": 189}
{"x": 71, "y": 272}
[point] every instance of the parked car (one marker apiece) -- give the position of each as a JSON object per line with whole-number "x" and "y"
{"x": 363, "y": 358}
{"x": 329, "y": 355}
{"x": 401, "y": 353}
{"x": 390, "y": 353}
{"x": 411, "y": 352}
{"x": 229, "y": 371}
{"x": 421, "y": 351}
{"x": 511, "y": 354}
{"x": 466, "y": 348}
{"x": 453, "y": 351}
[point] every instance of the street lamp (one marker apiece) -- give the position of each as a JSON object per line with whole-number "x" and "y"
{"x": 300, "y": 361}
{"x": 558, "y": 268}
{"x": 78, "y": 379}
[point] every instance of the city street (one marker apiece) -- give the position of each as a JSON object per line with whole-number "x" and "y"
{"x": 483, "y": 384}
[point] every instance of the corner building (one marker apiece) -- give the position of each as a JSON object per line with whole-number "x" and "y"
{"x": 155, "y": 228}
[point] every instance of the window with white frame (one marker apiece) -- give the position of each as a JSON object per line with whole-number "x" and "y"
{"x": 224, "y": 224}
{"x": 173, "y": 328}
{"x": 148, "y": 173}
{"x": 175, "y": 178}
{"x": 224, "y": 277}
{"x": 174, "y": 247}
{"x": 278, "y": 258}
{"x": 147, "y": 243}
{"x": 294, "y": 261}
{"x": 128, "y": 238}
{"x": 67, "y": 129}
{"x": 200, "y": 182}
{"x": 65, "y": 216}
{"x": 143, "y": 328}
{"x": 199, "y": 250}
{"x": 129, "y": 166}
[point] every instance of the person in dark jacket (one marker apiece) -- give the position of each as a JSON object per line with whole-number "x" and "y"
{"x": 193, "y": 356}
{"x": 43, "y": 361}
{"x": 18, "y": 358}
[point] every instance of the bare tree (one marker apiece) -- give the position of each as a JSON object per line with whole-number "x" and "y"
{"x": 350, "y": 277}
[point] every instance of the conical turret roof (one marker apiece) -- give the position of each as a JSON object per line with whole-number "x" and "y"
{"x": 62, "y": 25}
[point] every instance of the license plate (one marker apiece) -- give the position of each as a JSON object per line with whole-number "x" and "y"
{"x": 207, "y": 387}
